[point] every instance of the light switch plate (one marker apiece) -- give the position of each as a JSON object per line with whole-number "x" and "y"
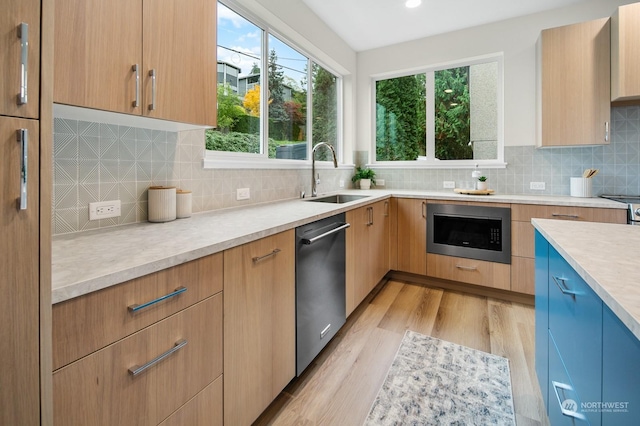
{"x": 450, "y": 184}
{"x": 243, "y": 194}
{"x": 538, "y": 186}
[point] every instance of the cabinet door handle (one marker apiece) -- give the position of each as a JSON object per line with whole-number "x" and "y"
{"x": 467, "y": 268}
{"x": 137, "y": 369}
{"x": 606, "y": 131}
{"x": 386, "y": 209}
{"x": 565, "y": 408}
{"x": 23, "y": 139}
{"x": 424, "y": 209}
{"x": 153, "y": 75}
{"x": 259, "y": 258}
{"x": 370, "y": 214}
{"x": 139, "y": 307}
{"x": 136, "y": 68}
{"x": 570, "y": 216}
{"x": 562, "y": 285}
{"x": 23, "y": 35}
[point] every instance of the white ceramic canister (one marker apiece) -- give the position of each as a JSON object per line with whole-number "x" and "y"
{"x": 580, "y": 187}
{"x": 183, "y": 203}
{"x": 162, "y": 204}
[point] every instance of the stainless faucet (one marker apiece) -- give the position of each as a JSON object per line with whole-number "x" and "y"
{"x": 314, "y": 191}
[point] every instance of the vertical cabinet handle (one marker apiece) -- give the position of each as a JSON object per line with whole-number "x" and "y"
{"x": 606, "y": 131}
{"x": 135, "y": 68}
{"x": 152, "y": 74}
{"x": 386, "y": 208}
{"x": 23, "y": 35}
{"x": 369, "y": 216}
{"x": 23, "y": 139}
{"x": 424, "y": 209}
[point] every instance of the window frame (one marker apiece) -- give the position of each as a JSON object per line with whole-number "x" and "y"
{"x": 431, "y": 162}
{"x": 227, "y": 159}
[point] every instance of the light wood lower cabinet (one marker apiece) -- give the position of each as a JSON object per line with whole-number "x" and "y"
{"x": 522, "y": 235}
{"x": 205, "y": 409}
{"x": 100, "y": 388}
{"x": 259, "y": 325}
{"x": 469, "y": 271}
{"x": 93, "y": 321}
{"x": 367, "y": 250}
{"x": 412, "y": 235}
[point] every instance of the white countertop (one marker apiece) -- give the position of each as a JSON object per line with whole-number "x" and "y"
{"x": 604, "y": 255}
{"x": 88, "y": 261}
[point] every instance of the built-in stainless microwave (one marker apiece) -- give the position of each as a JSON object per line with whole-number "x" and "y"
{"x": 474, "y": 232}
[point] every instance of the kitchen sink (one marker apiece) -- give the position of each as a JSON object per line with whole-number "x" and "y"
{"x": 337, "y": 198}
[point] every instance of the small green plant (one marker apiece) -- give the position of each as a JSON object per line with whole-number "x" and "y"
{"x": 365, "y": 173}
{"x": 482, "y": 178}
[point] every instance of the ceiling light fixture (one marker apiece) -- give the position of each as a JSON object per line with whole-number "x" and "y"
{"x": 413, "y": 3}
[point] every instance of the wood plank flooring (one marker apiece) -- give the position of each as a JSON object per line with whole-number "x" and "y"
{"x": 339, "y": 387}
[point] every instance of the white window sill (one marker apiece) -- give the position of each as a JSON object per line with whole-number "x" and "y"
{"x": 215, "y": 160}
{"x": 447, "y": 164}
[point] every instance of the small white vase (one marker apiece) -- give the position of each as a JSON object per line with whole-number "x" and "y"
{"x": 482, "y": 186}
{"x": 365, "y": 183}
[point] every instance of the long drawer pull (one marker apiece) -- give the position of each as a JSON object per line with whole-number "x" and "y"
{"x": 566, "y": 404}
{"x": 259, "y": 258}
{"x": 137, "y": 369}
{"x": 467, "y": 268}
{"x": 138, "y": 307}
{"x": 309, "y": 241}
{"x": 571, "y": 216}
{"x": 23, "y": 139}
{"x": 562, "y": 285}
{"x": 23, "y": 35}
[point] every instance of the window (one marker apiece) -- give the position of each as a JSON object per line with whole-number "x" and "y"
{"x": 273, "y": 100}
{"x": 449, "y": 115}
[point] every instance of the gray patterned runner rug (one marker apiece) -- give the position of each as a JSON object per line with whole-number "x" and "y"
{"x": 434, "y": 382}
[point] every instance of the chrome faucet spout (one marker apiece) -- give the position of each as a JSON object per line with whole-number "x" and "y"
{"x": 314, "y": 191}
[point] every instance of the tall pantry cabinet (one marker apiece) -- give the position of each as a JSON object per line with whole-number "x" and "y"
{"x": 25, "y": 212}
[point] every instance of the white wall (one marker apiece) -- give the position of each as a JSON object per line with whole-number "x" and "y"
{"x": 516, "y": 38}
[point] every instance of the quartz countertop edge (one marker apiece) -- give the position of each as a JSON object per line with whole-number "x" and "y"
{"x": 602, "y": 254}
{"x": 88, "y": 261}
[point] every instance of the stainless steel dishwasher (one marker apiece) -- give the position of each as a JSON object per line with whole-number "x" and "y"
{"x": 320, "y": 286}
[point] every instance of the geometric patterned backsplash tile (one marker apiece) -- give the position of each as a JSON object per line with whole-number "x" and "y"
{"x": 100, "y": 162}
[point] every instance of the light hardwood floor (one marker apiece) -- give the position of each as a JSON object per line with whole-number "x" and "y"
{"x": 341, "y": 384}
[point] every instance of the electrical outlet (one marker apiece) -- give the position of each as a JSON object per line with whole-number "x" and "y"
{"x": 341, "y": 183}
{"x": 104, "y": 209}
{"x": 379, "y": 182}
{"x": 243, "y": 194}
{"x": 538, "y": 186}
{"x": 450, "y": 184}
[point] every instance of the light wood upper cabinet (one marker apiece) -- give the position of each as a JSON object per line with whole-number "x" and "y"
{"x": 14, "y": 13}
{"x": 259, "y": 325}
{"x": 625, "y": 53}
{"x": 19, "y": 278}
{"x": 412, "y": 235}
{"x": 574, "y": 85}
{"x": 154, "y": 58}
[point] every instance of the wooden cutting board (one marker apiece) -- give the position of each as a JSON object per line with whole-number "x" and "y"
{"x": 474, "y": 191}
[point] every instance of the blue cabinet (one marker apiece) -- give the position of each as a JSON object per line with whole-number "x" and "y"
{"x": 620, "y": 373}
{"x": 542, "y": 314}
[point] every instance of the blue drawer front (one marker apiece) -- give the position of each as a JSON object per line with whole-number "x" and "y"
{"x": 542, "y": 314}
{"x": 620, "y": 373}
{"x": 575, "y": 322}
{"x": 562, "y": 393}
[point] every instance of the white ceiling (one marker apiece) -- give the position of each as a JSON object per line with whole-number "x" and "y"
{"x": 368, "y": 24}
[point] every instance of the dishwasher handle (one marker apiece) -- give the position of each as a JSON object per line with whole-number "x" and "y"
{"x": 309, "y": 241}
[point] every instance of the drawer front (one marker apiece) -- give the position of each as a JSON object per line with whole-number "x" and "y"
{"x": 100, "y": 389}
{"x": 563, "y": 396}
{"x": 575, "y": 321}
{"x": 525, "y": 212}
{"x": 470, "y": 271}
{"x": 93, "y": 321}
{"x": 203, "y": 410}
